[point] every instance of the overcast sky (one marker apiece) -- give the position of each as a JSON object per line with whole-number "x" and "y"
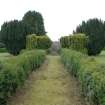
{"x": 60, "y": 16}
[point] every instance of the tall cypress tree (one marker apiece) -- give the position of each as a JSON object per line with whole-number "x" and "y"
{"x": 34, "y": 20}
{"x": 13, "y": 35}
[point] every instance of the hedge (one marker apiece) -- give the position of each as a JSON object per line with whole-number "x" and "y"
{"x": 89, "y": 72}
{"x": 38, "y": 42}
{"x": 77, "y": 42}
{"x": 64, "y": 41}
{"x": 15, "y": 70}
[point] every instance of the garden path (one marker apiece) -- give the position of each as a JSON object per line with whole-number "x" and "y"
{"x": 51, "y": 84}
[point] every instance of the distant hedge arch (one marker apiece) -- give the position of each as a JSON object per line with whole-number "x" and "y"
{"x": 38, "y": 42}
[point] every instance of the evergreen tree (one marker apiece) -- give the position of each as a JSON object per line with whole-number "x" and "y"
{"x": 35, "y": 20}
{"x": 95, "y": 30}
{"x": 13, "y": 35}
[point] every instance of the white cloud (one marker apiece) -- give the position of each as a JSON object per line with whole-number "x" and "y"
{"x": 60, "y": 16}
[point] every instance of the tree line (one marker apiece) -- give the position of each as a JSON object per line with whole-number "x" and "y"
{"x": 13, "y": 33}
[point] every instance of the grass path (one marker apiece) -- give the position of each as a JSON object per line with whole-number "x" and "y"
{"x": 50, "y": 85}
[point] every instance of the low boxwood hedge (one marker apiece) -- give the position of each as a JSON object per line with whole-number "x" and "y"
{"x": 89, "y": 72}
{"x": 15, "y": 70}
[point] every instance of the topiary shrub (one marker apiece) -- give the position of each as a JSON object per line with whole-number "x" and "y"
{"x": 38, "y": 42}
{"x": 77, "y": 42}
{"x": 64, "y": 41}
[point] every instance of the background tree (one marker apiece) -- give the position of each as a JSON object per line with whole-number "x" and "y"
{"x": 95, "y": 30}
{"x": 13, "y": 35}
{"x": 35, "y": 20}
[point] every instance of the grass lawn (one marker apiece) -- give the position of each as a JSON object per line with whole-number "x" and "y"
{"x": 4, "y": 56}
{"x": 101, "y": 58}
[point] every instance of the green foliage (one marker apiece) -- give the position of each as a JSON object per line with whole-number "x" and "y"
{"x": 77, "y": 42}
{"x": 35, "y": 21}
{"x": 13, "y": 35}
{"x": 15, "y": 70}
{"x": 64, "y": 41}
{"x": 38, "y": 42}
{"x": 2, "y": 50}
{"x": 95, "y": 30}
{"x": 2, "y": 45}
{"x": 90, "y": 73}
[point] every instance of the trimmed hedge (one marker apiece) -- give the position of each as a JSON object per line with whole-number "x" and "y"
{"x": 15, "y": 70}
{"x": 90, "y": 73}
{"x": 64, "y": 41}
{"x": 38, "y": 42}
{"x": 77, "y": 42}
